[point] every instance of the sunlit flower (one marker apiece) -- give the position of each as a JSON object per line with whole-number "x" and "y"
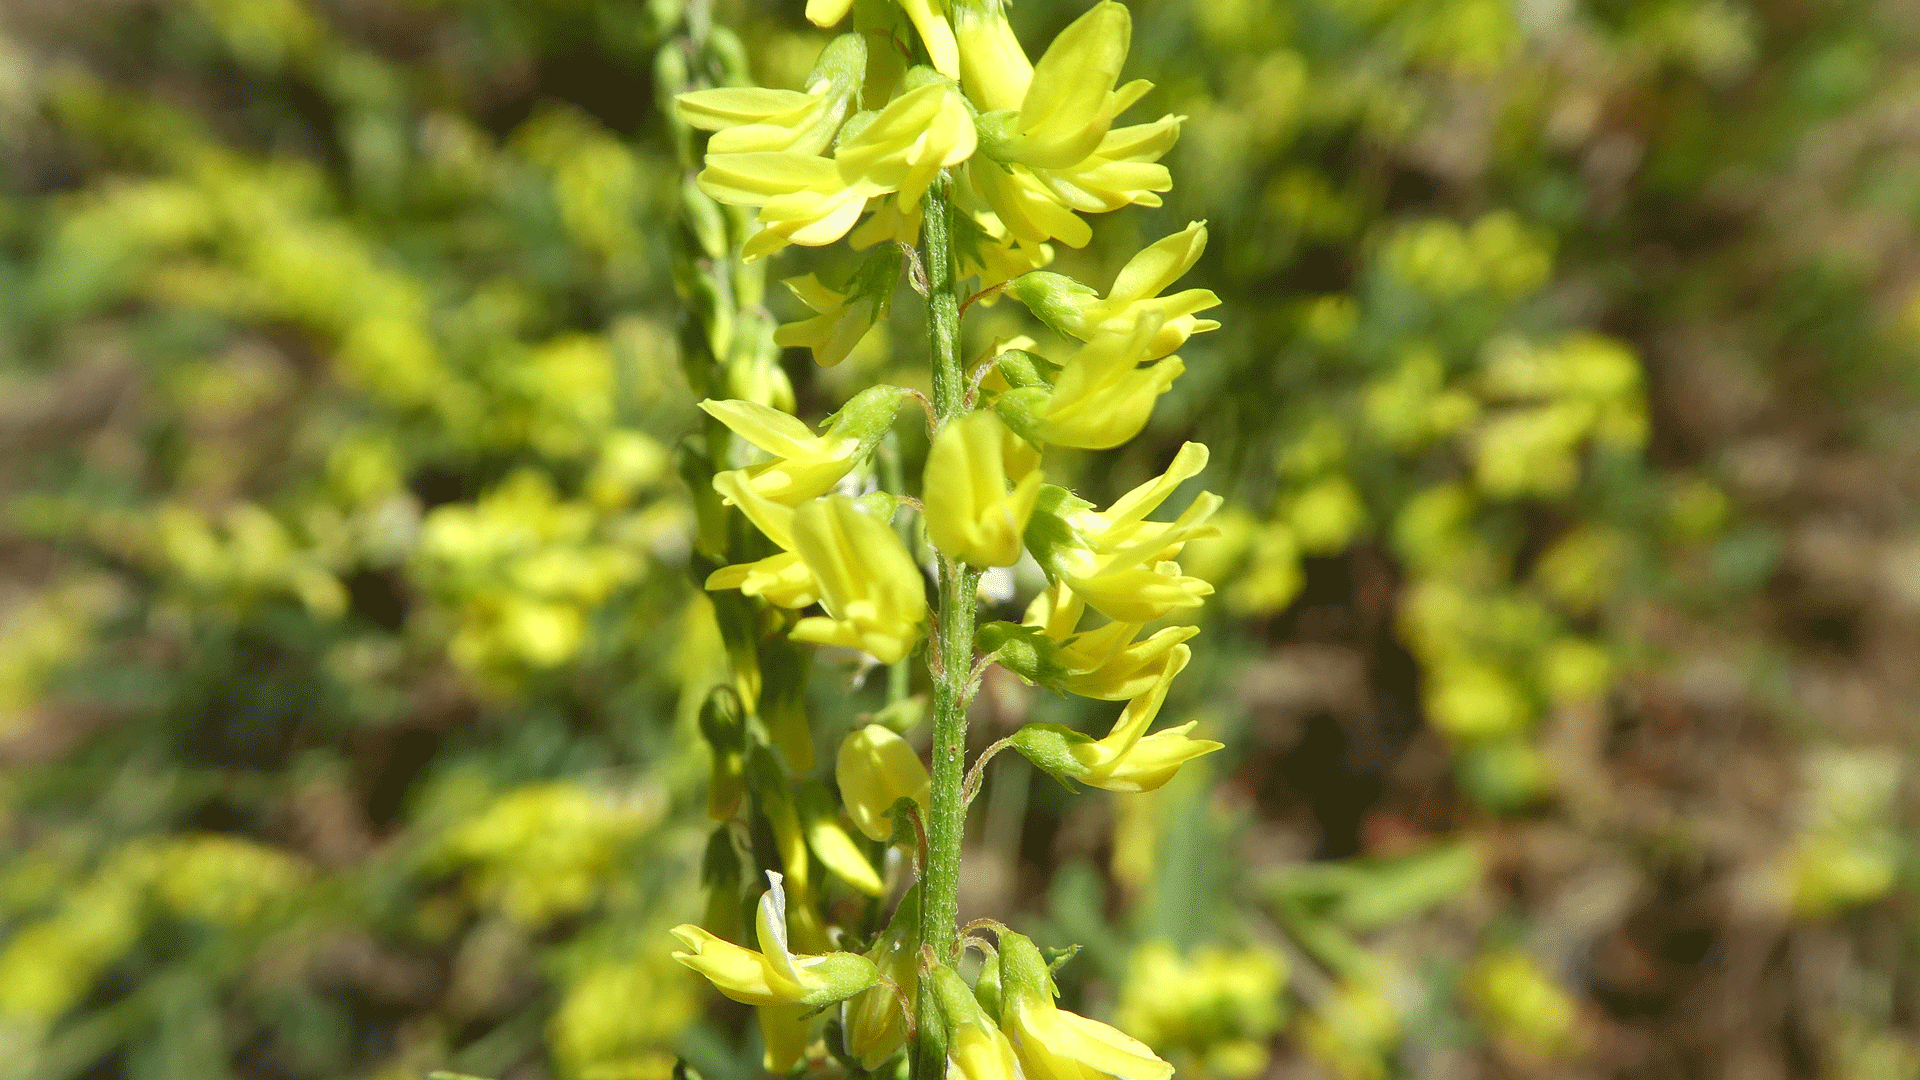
{"x": 806, "y": 464}
{"x": 1053, "y": 1044}
{"x": 976, "y": 1048}
{"x": 971, "y": 514}
{"x": 1075, "y": 310}
{"x": 1127, "y": 759}
{"x": 773, "y": 975}
{"x": 1105, "y": 662}
{"x": 875, "y": 769}
{"x": 874, "y": 595}
{"x": 752, "y": 118}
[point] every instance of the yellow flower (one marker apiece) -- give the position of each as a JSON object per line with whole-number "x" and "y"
{"x": 1102, "y": 395}
{"x": 813, "y": 201}
{"x": 976, "y": 1049}
{"x": 1070, "y": 100}
{"x": 1053, "y": 1044}
{"x": 1072, "y": 309}
{"x": 970, "y": 513}
{"x": 876, "y": 768}
{"x": 783, "y": 579}
{"x": 874, "y": 595}
{"x": 1127, "y": 759}
{"x": 832, "y": 844}
{"x": 994, "y": 69}
{"x": 1060, "y": 153}
{"x": 805, "y": 465}
{"x": 773, "y": 975}
{"x": 1116, "y": 560}
{"x": 753, "y": 118}
{"x": 936, "y": 33}
{"x": 1104, "y": 663}
{"x": 907, "y": 143}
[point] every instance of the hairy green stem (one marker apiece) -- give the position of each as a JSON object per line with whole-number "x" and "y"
{"x": 953, "y": 664}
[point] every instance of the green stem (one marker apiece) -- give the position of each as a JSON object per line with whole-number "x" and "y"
{"x": 959, "y": 585}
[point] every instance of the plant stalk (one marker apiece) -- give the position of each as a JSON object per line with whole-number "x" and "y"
{"x": 959, "y": 586}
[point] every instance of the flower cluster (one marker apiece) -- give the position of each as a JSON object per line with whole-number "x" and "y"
{"x": 970, "y": 163}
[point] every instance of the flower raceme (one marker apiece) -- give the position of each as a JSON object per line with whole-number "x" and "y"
{"x": 1035, "y": 144}
{"x": 927, "y": 138}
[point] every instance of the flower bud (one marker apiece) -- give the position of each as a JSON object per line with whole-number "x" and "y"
{"x": 976, "y": 1049}
{"x": 720, "y": 874}
{"x": 1053, "y": 1044}
{"x": 874, "y": 1024}
{"x": 875, "y": 769}
{"x": 724, "y": 728}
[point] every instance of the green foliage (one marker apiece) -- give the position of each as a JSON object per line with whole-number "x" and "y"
{"x": 350, "y": 664}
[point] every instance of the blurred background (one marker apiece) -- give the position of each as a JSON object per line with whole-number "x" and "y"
{"x": 1569, "y": 591}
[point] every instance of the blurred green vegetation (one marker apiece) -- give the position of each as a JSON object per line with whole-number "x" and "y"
{"x": 1564, "y": 409}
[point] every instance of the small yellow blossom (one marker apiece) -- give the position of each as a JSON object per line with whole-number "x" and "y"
{"x": 1077, "y": 311}
{"x": 875, "y": 596}
{"x": 773, "y": 975}
{"x": 876, "y": 768}
{"x": 752, "y": 118}
{"x": 782, "y": 579}
{"x": 976, "y": 1048}
{"x": 1105, "y": 662}
{"x": 804, "y": 464}
{"x": 970, "y": 513}
{"x": 1128, "y": 759}
{"x": 1053, "y": 1044}
{"x": 994, "y": 69}
{"x": 1070, "y": 100}
{"x": 1116, "y": 560}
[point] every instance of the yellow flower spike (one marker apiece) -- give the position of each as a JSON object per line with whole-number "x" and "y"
{"x": 994, "y": 69}
{"x": 783, "y": 579}
{"x": 875, "y": 596}
{"x": 970, "y": 514}
{"x": 773, "y": 975}
{"x": 805, "y": 465}
{"x": 876, "y": 768}
{"x": 1072, "y": 309}
{"x": 1128, "y": 759}
{"x": 976, "y": 1049}
{"x": 1053, "y": 1044}
{"x": 1070, "y": 101}
{"x": 831, "y": 843}
{"x": 752, "y": 118}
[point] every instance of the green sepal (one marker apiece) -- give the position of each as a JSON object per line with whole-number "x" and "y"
{"x": 1024, "y": 411}
{"x": 1049, "y": 747}
{"x": 986, "y": 988}
{"x": 1050, "y": 534}
{"x": 845, "y": 974}
{"x": 1054, "y": 299}
{"x": 1057, "y": 957}
{"x": 1026, "y": 974}
{"x": 1024, "y": 370}
{"x": 1023, "y": 650}
{"x": 901, "y": 813}
{"x": 996, "y": 131}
